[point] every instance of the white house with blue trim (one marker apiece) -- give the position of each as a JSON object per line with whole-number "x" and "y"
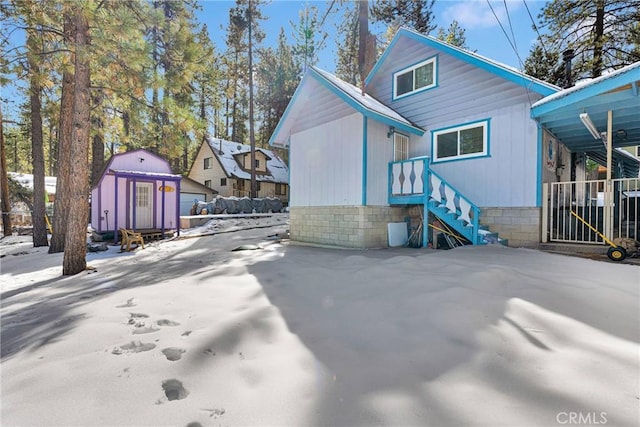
{"x": 439, "y": 130}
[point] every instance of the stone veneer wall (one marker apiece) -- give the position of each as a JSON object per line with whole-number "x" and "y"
{"x": 520, "y": 225}
{"x": 345, "y": 226}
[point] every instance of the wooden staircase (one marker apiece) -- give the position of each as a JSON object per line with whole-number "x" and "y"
{"x": 412, "y": 181}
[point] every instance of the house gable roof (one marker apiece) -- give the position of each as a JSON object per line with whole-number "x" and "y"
{"x": 227, "y": 151}
{"x": 496, "y": 68}
{"x": 352, "y": 96}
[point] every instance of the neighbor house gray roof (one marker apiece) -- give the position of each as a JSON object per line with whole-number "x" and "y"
{"x": 226, "y": 152}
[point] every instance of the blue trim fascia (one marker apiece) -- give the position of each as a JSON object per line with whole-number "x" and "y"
{"x": 287, "y": 111}
{"x": 469, "y": 157}
{"x": 539, "y": 166}
{"x": 528, "y": 82}
{"x": 579, "y": 94}
{"x": 362, "y": 109}
{"x": 421, "y": 90}
{"x": 364, "y": 160}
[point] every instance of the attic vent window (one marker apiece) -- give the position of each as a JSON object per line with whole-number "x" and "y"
{"x": 416, "y": 78}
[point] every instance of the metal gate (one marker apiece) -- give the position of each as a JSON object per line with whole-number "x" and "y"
{"x": 612, "y": 209}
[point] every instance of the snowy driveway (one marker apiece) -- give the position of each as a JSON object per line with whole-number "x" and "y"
{"x": 189, "y": 333}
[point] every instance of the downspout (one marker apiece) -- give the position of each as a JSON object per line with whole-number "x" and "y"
{"x": 609, "y": 183}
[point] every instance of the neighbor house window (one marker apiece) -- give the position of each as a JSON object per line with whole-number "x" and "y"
{"x": 281, "y": 190}
{"x": 400, "y": 147}
{"x": 638, "y": 151}
{"x": 257, "y": 163}
{"x": 207, "y": 183}
{"x": 223, "y": 182}
{"x": 207, "y": 162}
{"x": 418, "y": 77}
{"x": 461, "y": 142}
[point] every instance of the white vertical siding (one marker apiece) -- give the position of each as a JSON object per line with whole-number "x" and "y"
{"x": 379, "y": 154}
{"x": 326, "y": 164}
{"x": 507, "y": 178}
{"x": 466, "y": 93}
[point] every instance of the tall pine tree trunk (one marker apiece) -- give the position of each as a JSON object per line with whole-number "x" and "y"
{"x": 598, "y": 42}
{"x": 5, "y": 207}
{"x": 37, "y": 144}
{"x": 75, "y": 252}
{"x": 63, "y": 198}
{"x": 97, "y": 144}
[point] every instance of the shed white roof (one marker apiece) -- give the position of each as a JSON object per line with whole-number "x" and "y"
{"x": 225, "y": 151}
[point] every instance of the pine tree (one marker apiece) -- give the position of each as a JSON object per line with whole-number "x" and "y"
{"x": 309, "y": 37}
{"x": 454, "y": 35}
{"x": 62, "y": 203}
{"x": 74, "y": 260}
{"x": 601, "y": 33}
{"x": 278, "y": 77}
{"x": 347, "y": 64}
{"x": 415, "y": 14}
{"x": 34, "y": 46}
{"x": 543, "y": 64}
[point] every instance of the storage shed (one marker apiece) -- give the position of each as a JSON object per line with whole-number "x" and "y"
{"x": 137, "y": 190}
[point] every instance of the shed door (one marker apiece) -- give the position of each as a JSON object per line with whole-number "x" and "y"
{"x": 144, "y": 205}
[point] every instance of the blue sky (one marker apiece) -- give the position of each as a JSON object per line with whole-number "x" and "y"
{"x": 483, "y": 31}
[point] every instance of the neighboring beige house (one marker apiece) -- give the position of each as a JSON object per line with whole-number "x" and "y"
{"x": 225, "y": 167}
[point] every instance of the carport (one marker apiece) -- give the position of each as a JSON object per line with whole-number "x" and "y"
{"x": 597, "y": 118}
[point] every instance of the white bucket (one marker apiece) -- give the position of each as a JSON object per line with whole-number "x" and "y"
{"x": 397, "y": 233}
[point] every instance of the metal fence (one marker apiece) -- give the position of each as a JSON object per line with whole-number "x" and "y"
{"x": 611, "y": 209}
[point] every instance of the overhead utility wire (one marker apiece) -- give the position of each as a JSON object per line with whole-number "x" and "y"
{"x": 535, "y": 27}
{"x": 504, "y": 31}
{"x": 513, "y": 36}
{"x": 510, "y": 43}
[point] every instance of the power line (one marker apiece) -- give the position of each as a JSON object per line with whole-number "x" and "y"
{"x": 504, "y": 32}
{"x": 510, "y": 43}
{"x": 535, "y": 27}
{"x": 513, "y": 36}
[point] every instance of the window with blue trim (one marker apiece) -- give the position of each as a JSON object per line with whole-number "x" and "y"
{"x": 418, "y": 77}
{"x": 461, "y": 142}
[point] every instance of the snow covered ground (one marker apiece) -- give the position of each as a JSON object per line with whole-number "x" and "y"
{"x": 189, "y": 332}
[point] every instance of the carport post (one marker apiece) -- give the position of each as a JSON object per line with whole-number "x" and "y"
{"x": 608, "y": 191}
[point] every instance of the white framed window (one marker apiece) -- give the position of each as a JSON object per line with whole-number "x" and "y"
{"x": 418, "y": 77}
{"x": 281, "y": 190}
{"x": 461, "y": 142}
{"x": 207, "y": 162}
{"x": 223, "y": 182}
{"x": 400, "y": 147}
{"x": 207, "y": 183}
